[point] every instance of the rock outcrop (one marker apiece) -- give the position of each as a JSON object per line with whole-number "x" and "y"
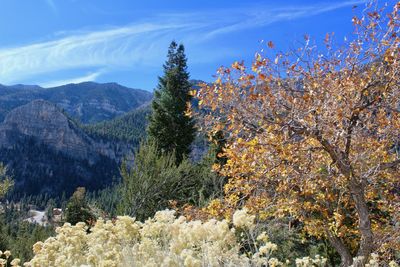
{"x": 44, "y": 121}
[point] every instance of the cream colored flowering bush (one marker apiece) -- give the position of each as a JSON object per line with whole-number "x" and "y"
{"x": 5, "y": 260}
{"x": 165, "y": 240}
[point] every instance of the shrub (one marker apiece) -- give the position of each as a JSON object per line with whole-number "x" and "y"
{"x": 164, "y": 240}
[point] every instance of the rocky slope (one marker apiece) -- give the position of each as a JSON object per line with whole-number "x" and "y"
{"x": 36, "y": 134}
{"x": 43, "y": 121}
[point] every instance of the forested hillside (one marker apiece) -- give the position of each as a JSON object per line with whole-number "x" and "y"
{"x": 38, "y": 169}
{"x": 130, "y": 127}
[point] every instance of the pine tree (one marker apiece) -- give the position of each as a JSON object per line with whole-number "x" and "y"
{"x": 78, "y": 209}
{"x": 169, "y": 127}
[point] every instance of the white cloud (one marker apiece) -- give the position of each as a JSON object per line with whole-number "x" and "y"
{"x": 141, "y": 44}
{"x": 87, "y": 78}
{"x": 118, "y": 46}
{"x": 263, "y": 16}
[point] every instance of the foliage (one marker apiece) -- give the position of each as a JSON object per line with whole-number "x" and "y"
{"x": 78, "y": 209}
{"x": 212, "y": 182}
{"x": 294, "y": 243}
{"x": 5, "y": 181}
{"x": 22, "y": 236}
{"x": 314, "y": 135}
{"x": 18, "y": 235}
{"x": 155, "y": 179}
{"x": 160, "y": 241}
{"x": 107, "y": 200}
{"x": 166, "y": 240}
{"x": 168, "y": 124}
{"x": 7, "y": 261}
{"x": 156, "y": 174}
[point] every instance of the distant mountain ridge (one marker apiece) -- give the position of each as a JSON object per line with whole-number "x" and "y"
{"x": 88, "y": 102}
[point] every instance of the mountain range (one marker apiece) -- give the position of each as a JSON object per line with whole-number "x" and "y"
{"x": 87, "y": 102}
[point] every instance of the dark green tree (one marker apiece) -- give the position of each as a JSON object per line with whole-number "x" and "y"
{"x": 77, "y": 208}
{"x": 51, "y": 204}
{"x": 169, "y": 127}
{"x": 154, "y": 180}
{"x": 5, "y": 181}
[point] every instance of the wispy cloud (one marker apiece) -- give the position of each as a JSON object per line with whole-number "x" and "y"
{"x": 118, "y": 46}
{"x": 52, "y": 5}
{"x": 141, "y": 43}
{"x": 264, "y": 16}
{"x": 86, "y": 78}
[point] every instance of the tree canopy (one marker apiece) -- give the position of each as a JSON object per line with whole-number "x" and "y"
{"x": 314, "y": 134}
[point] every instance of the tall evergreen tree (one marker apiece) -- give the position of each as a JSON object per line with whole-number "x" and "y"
{"x": 169, "y": 127}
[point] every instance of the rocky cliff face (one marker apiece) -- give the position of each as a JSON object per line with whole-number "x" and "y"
{"x": 39, "y": 136}
{"x": 44, "y": 122}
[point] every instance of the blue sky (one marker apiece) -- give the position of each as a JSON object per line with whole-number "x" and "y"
{"x": 53, "y": 42}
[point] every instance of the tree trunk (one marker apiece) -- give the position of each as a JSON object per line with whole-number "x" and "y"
{"x": 364, "y": 222}
{"x": 345, "y": 256}
{"x": 356, "y": 189}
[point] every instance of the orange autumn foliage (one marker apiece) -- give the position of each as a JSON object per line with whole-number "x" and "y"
{"x": 317, "y": 136}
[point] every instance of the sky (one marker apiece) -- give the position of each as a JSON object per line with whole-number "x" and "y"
{"x": 55, "y": 42}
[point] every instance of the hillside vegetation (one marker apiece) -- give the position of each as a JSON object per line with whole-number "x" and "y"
{"x": 130, "y": 127}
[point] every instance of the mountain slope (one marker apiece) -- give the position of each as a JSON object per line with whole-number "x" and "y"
{"x": 87, "y": 102}
{"x": 48, "y": 153}
{"x": 92, "y": 102}
{"x": 130, "y": 127}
